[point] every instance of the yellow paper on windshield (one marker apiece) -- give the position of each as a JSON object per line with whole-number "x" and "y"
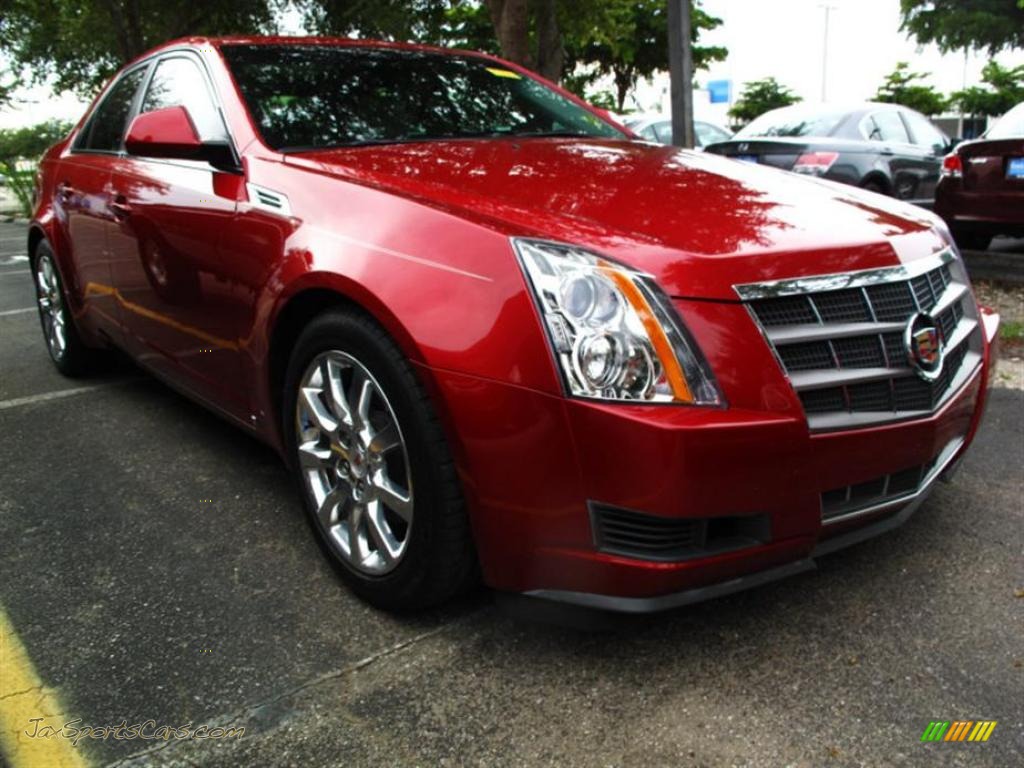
{"x": 504, "y": 73}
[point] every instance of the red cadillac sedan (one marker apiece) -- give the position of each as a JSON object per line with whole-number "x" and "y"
{"x": 494, "y": 336}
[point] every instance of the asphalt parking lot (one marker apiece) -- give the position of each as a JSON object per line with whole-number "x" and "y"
{"x": 156, "y": 566}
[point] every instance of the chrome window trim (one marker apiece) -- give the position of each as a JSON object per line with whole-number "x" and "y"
{"x": 150, "y": 64}
{"x": 844, "y": 280}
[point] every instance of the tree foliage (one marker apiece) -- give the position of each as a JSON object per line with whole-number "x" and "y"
{"x": 628, "y": 39}
{"x": 23, "y": 147}
{"x": 902, "y": 86}
{"x": 758, "y": 97}
{"x": 80, "y": 43}
{"x": 1003, "y": 89}
{"x": 953, "y": 25}
{"x": 569, "y": 41}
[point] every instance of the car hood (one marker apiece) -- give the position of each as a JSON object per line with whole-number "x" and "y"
{"x": 700, "y": 224}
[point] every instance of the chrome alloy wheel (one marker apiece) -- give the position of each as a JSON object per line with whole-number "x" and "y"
{"x": 51, "y": 307}
{"x": 354, "y": 462}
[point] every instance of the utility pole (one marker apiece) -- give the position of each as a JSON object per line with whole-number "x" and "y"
{"x": 824, "y": 52}
{"x": 680, "y": 68}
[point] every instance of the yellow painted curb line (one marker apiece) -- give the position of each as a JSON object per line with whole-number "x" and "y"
{"x": 23, "y": 697}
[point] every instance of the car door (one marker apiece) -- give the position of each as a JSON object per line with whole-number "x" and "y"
{"x": 83, "y": 204}
{"x": 933, "y": 144}
{"x": 903, "y": 160}
{"x": 180, "y": 310}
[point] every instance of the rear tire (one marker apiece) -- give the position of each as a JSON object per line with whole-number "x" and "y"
{"x": 69, "y": 353}
{"x": 972, "y": 241}
{"x": 874, "y": 185}
{"x": 373, "y": 467}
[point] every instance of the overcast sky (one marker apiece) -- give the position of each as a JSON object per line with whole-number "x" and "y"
{"x": 783, "y": 39}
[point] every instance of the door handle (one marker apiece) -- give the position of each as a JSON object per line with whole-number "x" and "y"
{"x": 119, "y": 205}
{"x": 65, "y": 192}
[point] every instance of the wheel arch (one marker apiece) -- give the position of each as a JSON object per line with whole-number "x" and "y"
{"x": 36, "y": 235}
{"x": 304, "y": 302}
{"x": 877, "y": 177}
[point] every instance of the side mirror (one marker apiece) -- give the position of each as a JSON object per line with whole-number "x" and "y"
{"x": 169, "y": 133}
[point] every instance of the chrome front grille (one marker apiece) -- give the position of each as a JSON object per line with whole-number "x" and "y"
{"x": 841, "y": 339}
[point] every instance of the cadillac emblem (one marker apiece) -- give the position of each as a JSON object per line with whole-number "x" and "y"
{"x": 923, "y": 341}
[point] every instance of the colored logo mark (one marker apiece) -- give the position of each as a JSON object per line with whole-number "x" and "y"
{"x": 959, "y": 730}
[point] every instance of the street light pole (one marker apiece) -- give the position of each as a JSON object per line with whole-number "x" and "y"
{"x": 680, "y": 67}
{"x": 824, "y": 52}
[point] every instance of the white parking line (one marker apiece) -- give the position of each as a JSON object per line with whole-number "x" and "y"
{"x": 16, "y": 311}
{"x": 58, "y": 395}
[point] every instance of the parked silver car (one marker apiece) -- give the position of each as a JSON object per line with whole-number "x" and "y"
{"x": 659, "y": 128}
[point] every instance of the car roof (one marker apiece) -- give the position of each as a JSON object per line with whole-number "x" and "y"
{"x": 346, "y": 42}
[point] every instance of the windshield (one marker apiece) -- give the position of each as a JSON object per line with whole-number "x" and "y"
{"x": 1010, "y": 125}
{"x": 797, "y": 120}
{"x": 307, "y": 96}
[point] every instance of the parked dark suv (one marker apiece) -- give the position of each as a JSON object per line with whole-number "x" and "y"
{"x": 881, "y": 147}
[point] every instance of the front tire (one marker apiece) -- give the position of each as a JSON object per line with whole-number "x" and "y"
{"x": 373, "y": 467}
{"x": 69, "y": 353}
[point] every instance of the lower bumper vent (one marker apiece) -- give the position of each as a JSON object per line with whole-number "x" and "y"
{"x": 861, "y": 498}
{"x": 649, "y": 537}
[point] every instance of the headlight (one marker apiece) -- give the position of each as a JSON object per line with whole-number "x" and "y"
{"x": 613, "y": 330}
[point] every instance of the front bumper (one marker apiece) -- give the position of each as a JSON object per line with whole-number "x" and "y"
{"x": 902, "y": 509}
{"x": 531, "y": 463}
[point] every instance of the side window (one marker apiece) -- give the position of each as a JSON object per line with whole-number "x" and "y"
{"x": 708, "y": 134}
{"x": 179, "y": 82}
{"x": 887, "y": 126}
{"x": 925, "y": 134}
{"x": 105, "y": 129}
{"x": 663, "y": 131}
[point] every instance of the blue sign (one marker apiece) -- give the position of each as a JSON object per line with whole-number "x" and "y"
{"x": 720, "y": 91}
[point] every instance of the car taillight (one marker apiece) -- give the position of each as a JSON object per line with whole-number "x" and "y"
{"x": 952, "y": 166}
{"x": 815, "y": 163}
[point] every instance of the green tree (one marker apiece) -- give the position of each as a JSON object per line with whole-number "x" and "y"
{"x": 902, "y": 86}
{"x": 1003, "y": 89}
{"x": 80, "y": 43}
{"x": 570, "y": 41}
{"x": 954, "y": 25}
{"x": 407, "y": 20}
{"x": 20, "y": 150}
{"x": 758, "y": 97}
{"x": 628, "y": 39}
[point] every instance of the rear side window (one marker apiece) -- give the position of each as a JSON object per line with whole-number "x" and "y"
{"x": 925, "y": 134}
{"x": 887, "y": 126}
{"x": 648, "y": 132}
{"x": 105, "y": 130}
{"x": 177, "y": 82}
{"x": 663, "y": 131}
{"x": 709, "y": 134}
